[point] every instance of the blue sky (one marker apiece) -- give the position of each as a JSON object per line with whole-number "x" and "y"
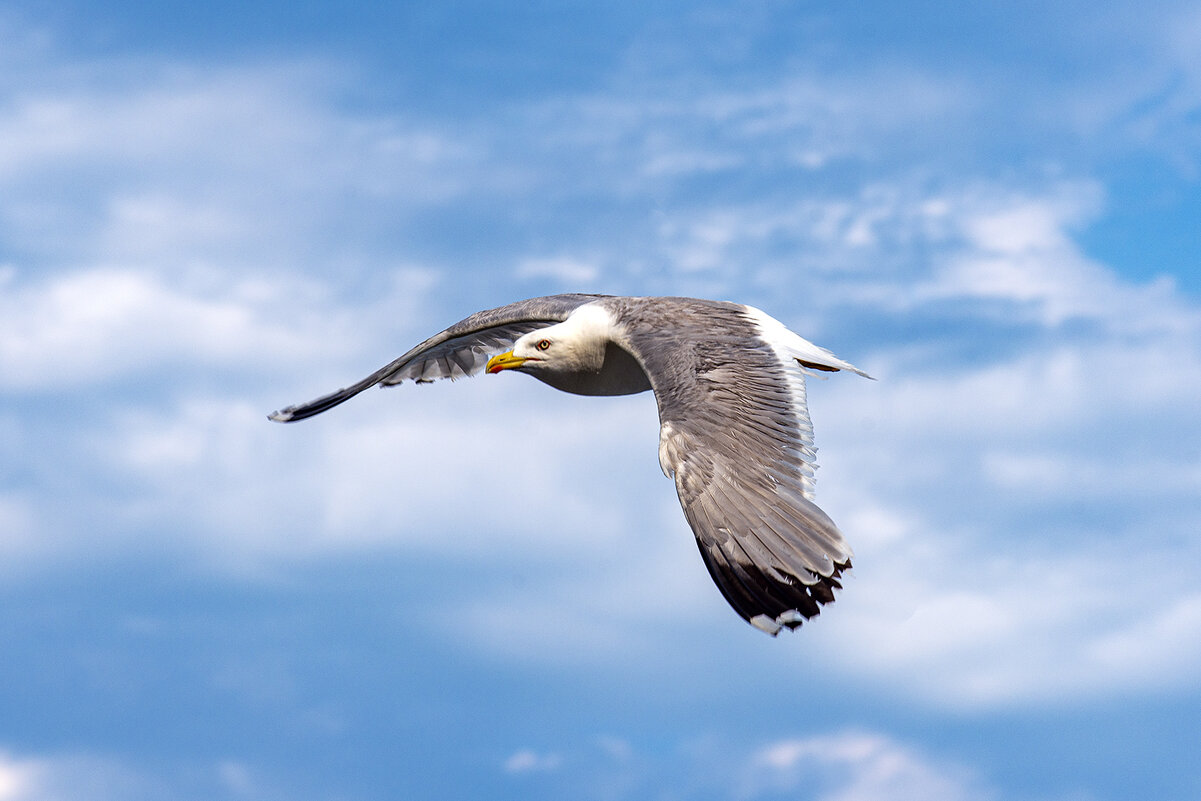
{"x": 486, "y": 589}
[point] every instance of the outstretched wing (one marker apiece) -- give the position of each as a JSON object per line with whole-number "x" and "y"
{"x": 735, "y": 435}
{"x": 461, "y": 350}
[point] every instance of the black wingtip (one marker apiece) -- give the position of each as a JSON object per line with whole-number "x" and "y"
{"x": 803, "y": 602}
{"x": 825, "y": 368}
{"x": 303, "y": 411}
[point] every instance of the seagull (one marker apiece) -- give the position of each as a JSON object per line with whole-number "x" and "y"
{"x": 734, "y": 434}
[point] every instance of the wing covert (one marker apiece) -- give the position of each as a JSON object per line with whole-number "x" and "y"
{"x": 735, "y": 435}
{"x": 459, "y": 351}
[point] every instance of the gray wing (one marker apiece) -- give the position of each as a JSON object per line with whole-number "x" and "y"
{"x": 735, "y": 435}
{"x": 459, "y": 351}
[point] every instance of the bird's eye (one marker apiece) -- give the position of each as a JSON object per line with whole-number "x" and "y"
{"x": 543, "y": 344}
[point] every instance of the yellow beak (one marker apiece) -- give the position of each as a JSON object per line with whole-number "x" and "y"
{"x": 504, "y": 361}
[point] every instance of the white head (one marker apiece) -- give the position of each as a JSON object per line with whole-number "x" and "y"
{"x": 576, "y": 345}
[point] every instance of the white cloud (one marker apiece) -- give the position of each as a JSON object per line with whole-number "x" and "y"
{"x": 467, "y": 456}
{"x": 76, "y": 777}
{"x": 165, "y": 166}
{"x": 1011, "y": 634}
{"x": 1157, "y": 649}
{"x": 94, "y": 777}
{"x": 1005, "y": 250}
{"x": 1045, "y": 474}
{"x": 1016, "y": 250}
{"x": 395, "y": 468}
{"x": 995, "y": 251}
{"x": 81, "y": 327}
{"x": 1017, "y": 504}
{"x": 255, "y": 118}
{"x": 1009, "y": 563}
{"x": 93, "y": 325}
{"x": 648, "y": 586}
{"x": 857, "y": 767}
{"x": 17, "y": 523}
{"x": 570, "y": 271}
{"x": 528, "y": 761}
{"x": 827, "y": 766}
{"x": 1146, "y": 102}
{"x": 16, "y": 777}
{"x": 654, "y": 132}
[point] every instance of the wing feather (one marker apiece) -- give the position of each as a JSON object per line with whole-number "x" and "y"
{"x": 459, "y": 351}
{"x": 736, "y": 437}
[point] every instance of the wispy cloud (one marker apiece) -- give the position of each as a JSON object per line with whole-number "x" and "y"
{"x": 92, "y": 777}
{"x": 569, "y": 271}
{"x": 16, "y": 777}
{"x": 528, "y": 761}
{"x": 1015, "y": 496}
{"x": 83, "y": 777}
{"x": 166, "y": 166}
{"x": 857, "y": 767}
{"x": 827, "y": 766}
{"x": 84, "y": 327}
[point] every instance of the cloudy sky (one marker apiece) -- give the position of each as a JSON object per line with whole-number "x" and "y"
{"x": 486, "y": 589}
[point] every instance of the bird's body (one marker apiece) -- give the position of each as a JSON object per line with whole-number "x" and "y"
{"x": 734, "y": 426}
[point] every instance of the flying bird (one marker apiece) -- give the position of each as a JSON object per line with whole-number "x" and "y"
{"x": 734, "y": 428}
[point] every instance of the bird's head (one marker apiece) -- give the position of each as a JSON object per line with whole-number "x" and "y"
{"x": 570, "y": 347}
{"x": 535, "y": 351}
